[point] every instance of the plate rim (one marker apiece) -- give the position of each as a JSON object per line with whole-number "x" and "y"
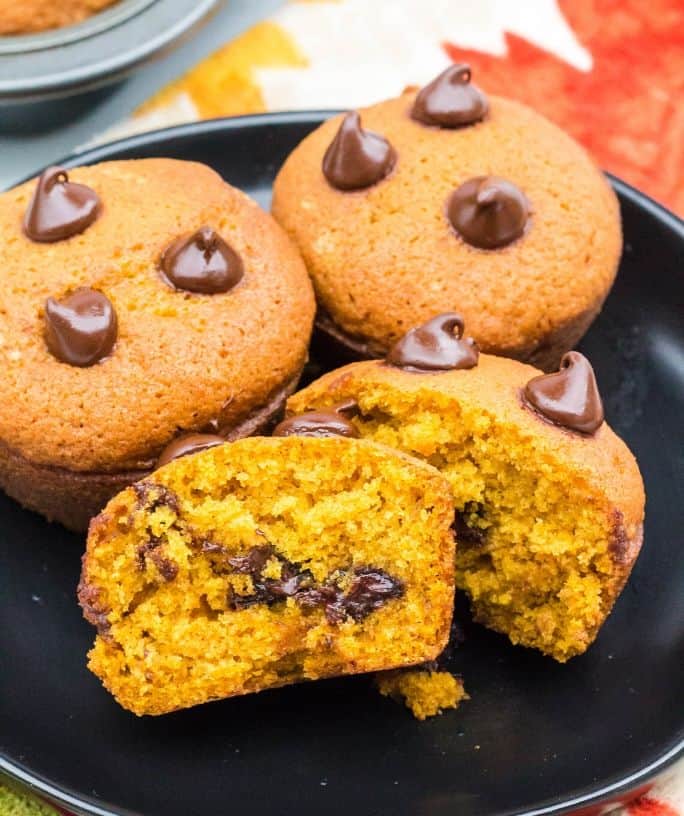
{"x": 64, "y": 797}
{"x": 74, "y": 77}
{"x": 99, "y": 152}
{"x": 594, "y": 795}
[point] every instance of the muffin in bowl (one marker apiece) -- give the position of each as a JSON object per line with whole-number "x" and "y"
{"x": 33, "y": 16}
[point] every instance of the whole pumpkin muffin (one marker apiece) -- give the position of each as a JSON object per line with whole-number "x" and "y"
{"x": 31, "y": 16}
{"x": 442, "y": 200}
{"x": 264, "y": 562}
{"x": 141, "y": 301}
{"x": 549, "y": 501}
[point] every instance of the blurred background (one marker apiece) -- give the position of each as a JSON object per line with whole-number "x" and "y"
{"x": 609, "y": 71}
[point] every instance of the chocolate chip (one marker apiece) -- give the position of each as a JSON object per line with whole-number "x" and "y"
{"x": 59, "y": 208}
{"x": 357, "y": 158}
{"x": 488, "y": 212}
{"x": 202, "y": 263}
{"x": 370, "y": 587}
{"x": 152, "y": 550}
{"x": 187, "y": 444}
{"x": 320, "y": 423}
{"x": 168, "y": 569}
{"x": 253, "y": 563}
{"x": 208, "y": 546}
{"x": 466, "y": 533}
{"x": 437, "y": 345}
{"x": 450, "y": 101}
{"x": 569, "y": 397}
{"x": 152, "y": 496}
{"x": 82, "y": 329}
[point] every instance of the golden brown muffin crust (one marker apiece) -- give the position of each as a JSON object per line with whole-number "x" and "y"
{"x": 181, "y": 360}
{"x": 385, "y": 258}
{"x": 30, "y": 16}
{"x": 72, "y": 498}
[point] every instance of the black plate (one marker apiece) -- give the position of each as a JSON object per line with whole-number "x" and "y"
{"x": 536, "y": 737}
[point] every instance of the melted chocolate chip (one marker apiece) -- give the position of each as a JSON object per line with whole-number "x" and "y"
{"x": 168, "y": 569}
{"x": 81, "y": 329}
{"x": 293, "y": 580}
{"x": 152, "y": 496}
{"x": 488, "y": 212}
{"x": 435, "y": 347}
{"x": 187, "y": 444}
{"x": 450, "y": 101}
{"x": 357, "y": 158}
{"x": 466, "y": 533}
{"x": 202, "y": 263}
{"x": 321, "y": 423}
{"x": 569, "y": 397}
{"x": 369, "y": 588}
{"x": 59, "y": 208}
{"x": 152, "y": 550}
{"x": 254, "y": 562}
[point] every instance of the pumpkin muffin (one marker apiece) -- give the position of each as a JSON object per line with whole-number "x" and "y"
{"x": 264, "y": 562}
{"x": 32, "y": 16}
{"x": 549, "y": 501}
{"x": 142, "y": 300}
{"x": 445, "y": 200}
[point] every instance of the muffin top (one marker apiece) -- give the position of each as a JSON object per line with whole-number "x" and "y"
{"x": 185, "y": 354}
{"x": 385, "y": 211}
{"x": 29, "y": 16}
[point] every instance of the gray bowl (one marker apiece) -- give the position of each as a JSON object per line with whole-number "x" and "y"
{"x": 98, "y": 51}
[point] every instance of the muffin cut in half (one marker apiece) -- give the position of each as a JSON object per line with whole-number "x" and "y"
{"x": 549, "y": 520}
{"x": 266, "y": 561}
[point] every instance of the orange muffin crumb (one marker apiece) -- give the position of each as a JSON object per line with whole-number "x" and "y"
{"x": 424, "y": 692}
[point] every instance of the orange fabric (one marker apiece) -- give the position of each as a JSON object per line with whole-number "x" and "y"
{"x": 646, "y": 806}
{"x": 629, "y": 109}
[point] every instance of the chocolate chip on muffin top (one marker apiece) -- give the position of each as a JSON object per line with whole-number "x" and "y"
{"x": 568, "y": 397}
{"x": 437, "y": 345}
{"x": 488, "y": 212}
{"x": 450, "y": 100}
{"x": 333, "y": 422}
{"x": 59, "y": 208}
{"x": 202, "y": 262}
{"x": 357, "y": 158}
{"x": 80, "y": 330}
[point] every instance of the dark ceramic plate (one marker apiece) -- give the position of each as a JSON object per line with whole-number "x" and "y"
{"x": 536, "y": 737}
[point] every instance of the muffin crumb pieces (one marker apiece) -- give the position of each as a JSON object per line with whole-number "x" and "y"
{"x": 424, "y": 692}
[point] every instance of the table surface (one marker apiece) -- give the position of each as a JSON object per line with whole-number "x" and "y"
{"x": 26, "y": 147}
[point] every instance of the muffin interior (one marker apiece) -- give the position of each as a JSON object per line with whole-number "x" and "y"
{"x": 203, "y": 578}
{"x": 533, "y": 540}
